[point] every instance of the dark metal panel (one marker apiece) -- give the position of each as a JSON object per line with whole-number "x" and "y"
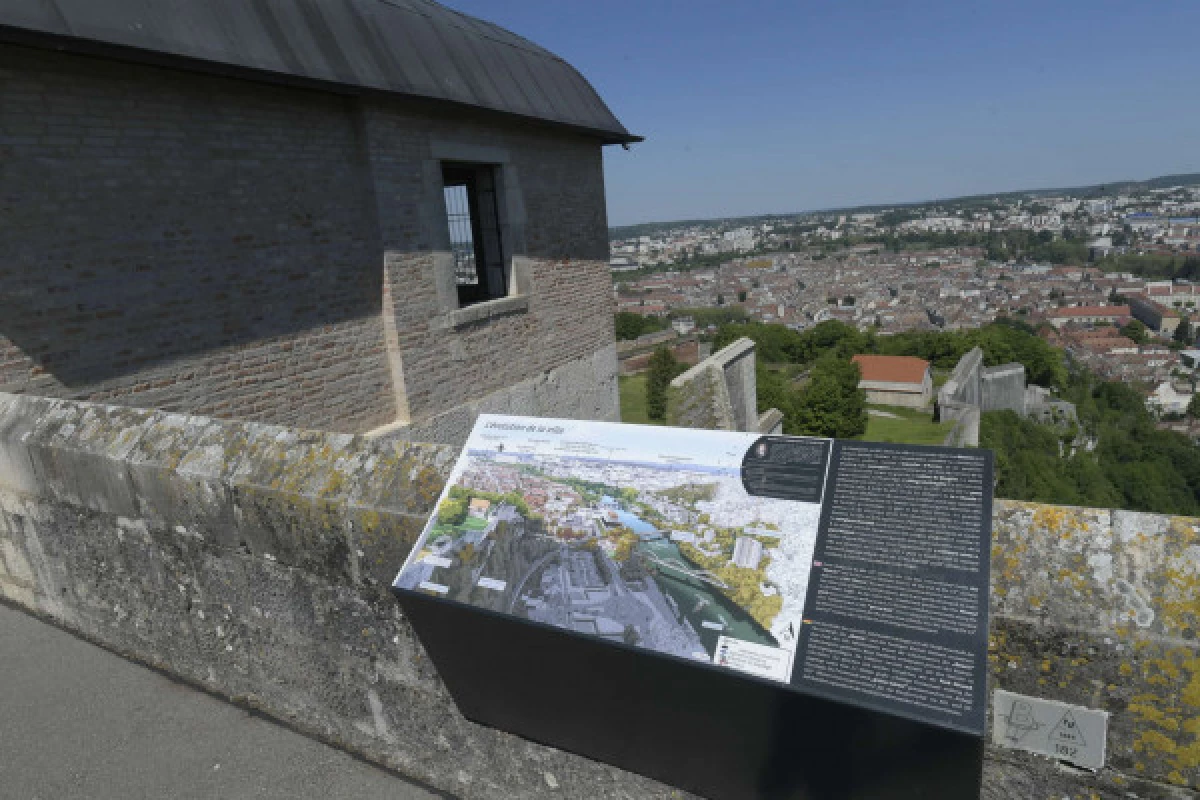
{"x": 512, "y": 94}
{"x": 585, "y": 93}
{"x": 554, "y": 77}
{"x": 351, "y": 35}
{"x": 414, "y": 47}
{"x": 286, "y": 17}
{"x": 325, "y": 24}
{"x": 197, "y": 23}
{"x": 387, "y": 36}
{"x": 457, "y": 46}
{"x": 543, "y": 106}
{"x": 35, "y": 14}
{"x": 549, "y": 76}
{"x": 423, "y": 34}
{"x": 242, "y": 35}
{"x": 273, "y": 41}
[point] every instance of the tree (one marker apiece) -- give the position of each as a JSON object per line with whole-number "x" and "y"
{"x": 831, "y": 404}
{"x": 663, "y": 369}
{"x": 1193, "y": 408}
{"x": 631, "y": 326}
{"x": 1183, "y": 333}
{"x": 1135, "y": 330}
{"x": 453, "y": 511}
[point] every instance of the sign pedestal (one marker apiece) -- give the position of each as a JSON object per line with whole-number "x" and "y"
{"x": 714, "y": 733}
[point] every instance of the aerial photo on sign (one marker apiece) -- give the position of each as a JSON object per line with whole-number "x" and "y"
{"x": 636, "y": 534}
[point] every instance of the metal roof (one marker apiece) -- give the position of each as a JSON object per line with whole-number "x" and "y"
{"x": 415, "y": 48}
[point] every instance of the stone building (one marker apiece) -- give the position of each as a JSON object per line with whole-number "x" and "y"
{"x": 1154, "y": 315}
{"x": 896, "y": 380}
{"x": 1088, "y": 315}
{"x": 354, "y": 215}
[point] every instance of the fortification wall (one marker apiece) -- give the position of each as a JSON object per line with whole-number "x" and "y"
{"x": 964, "y": 384}
{"x": 253, "y": 560}
{"x": 965, "y": 417}
{"x": 973, "y": 388}
{"x": 719, "y": 393}
{"x": 1003, "y": 388}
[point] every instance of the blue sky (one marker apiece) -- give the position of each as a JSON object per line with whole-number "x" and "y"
{"x": 773, "y": 106}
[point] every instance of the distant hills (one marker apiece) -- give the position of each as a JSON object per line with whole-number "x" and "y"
{"x": 1096, "y": 190}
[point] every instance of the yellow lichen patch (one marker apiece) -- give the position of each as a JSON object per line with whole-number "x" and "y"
{"x": 1167, "y": 722}
{"x": 1059, "y": 521}
{"x": 1152, "y": 742}
{"x": 1178, "y": 601}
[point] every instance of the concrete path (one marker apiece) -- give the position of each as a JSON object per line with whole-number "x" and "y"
{"x": 78, "y": 722}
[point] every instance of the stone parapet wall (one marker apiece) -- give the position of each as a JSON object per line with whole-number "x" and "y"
{"x": 1101, "y": 608}
{"x": 254, "y": 560}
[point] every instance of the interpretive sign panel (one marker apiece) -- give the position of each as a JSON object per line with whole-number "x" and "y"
{"x": 640, "y": 535}
{"x": 849, "y": 570}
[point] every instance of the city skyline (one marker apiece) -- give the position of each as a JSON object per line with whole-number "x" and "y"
{"x": 777, "y": 109}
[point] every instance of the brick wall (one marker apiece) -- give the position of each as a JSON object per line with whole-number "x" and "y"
{"x": 565, "y": 231}
{"x": 216, "y": 246}
{"x": 187, "y": 243}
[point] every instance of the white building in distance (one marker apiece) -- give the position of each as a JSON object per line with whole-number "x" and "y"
{"x": 747, "y": 552}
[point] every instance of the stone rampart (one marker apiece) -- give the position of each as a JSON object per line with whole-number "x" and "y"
{"x": 965, "y": 417}
{"x": 972, "y": 389}
{"x": 1003, "y": 388}
{"x": 964, "y": 385}
{"x": 254, "y": 560}
{"x": 719, "y": 393}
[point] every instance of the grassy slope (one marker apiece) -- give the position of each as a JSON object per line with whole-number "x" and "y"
{"x": 633, "y": 399}
{"x": 912, "y": 427}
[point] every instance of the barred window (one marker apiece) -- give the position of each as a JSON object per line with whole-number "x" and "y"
{"x": 473, "y": 218}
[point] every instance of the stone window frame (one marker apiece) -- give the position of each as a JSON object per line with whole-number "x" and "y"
{"x": 511, "y": 213}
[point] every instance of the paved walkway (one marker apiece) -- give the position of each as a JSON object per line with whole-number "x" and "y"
{"x": 79, "y": 722}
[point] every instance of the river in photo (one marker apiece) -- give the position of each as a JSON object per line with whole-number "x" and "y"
{"x": 700, "y": 602}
